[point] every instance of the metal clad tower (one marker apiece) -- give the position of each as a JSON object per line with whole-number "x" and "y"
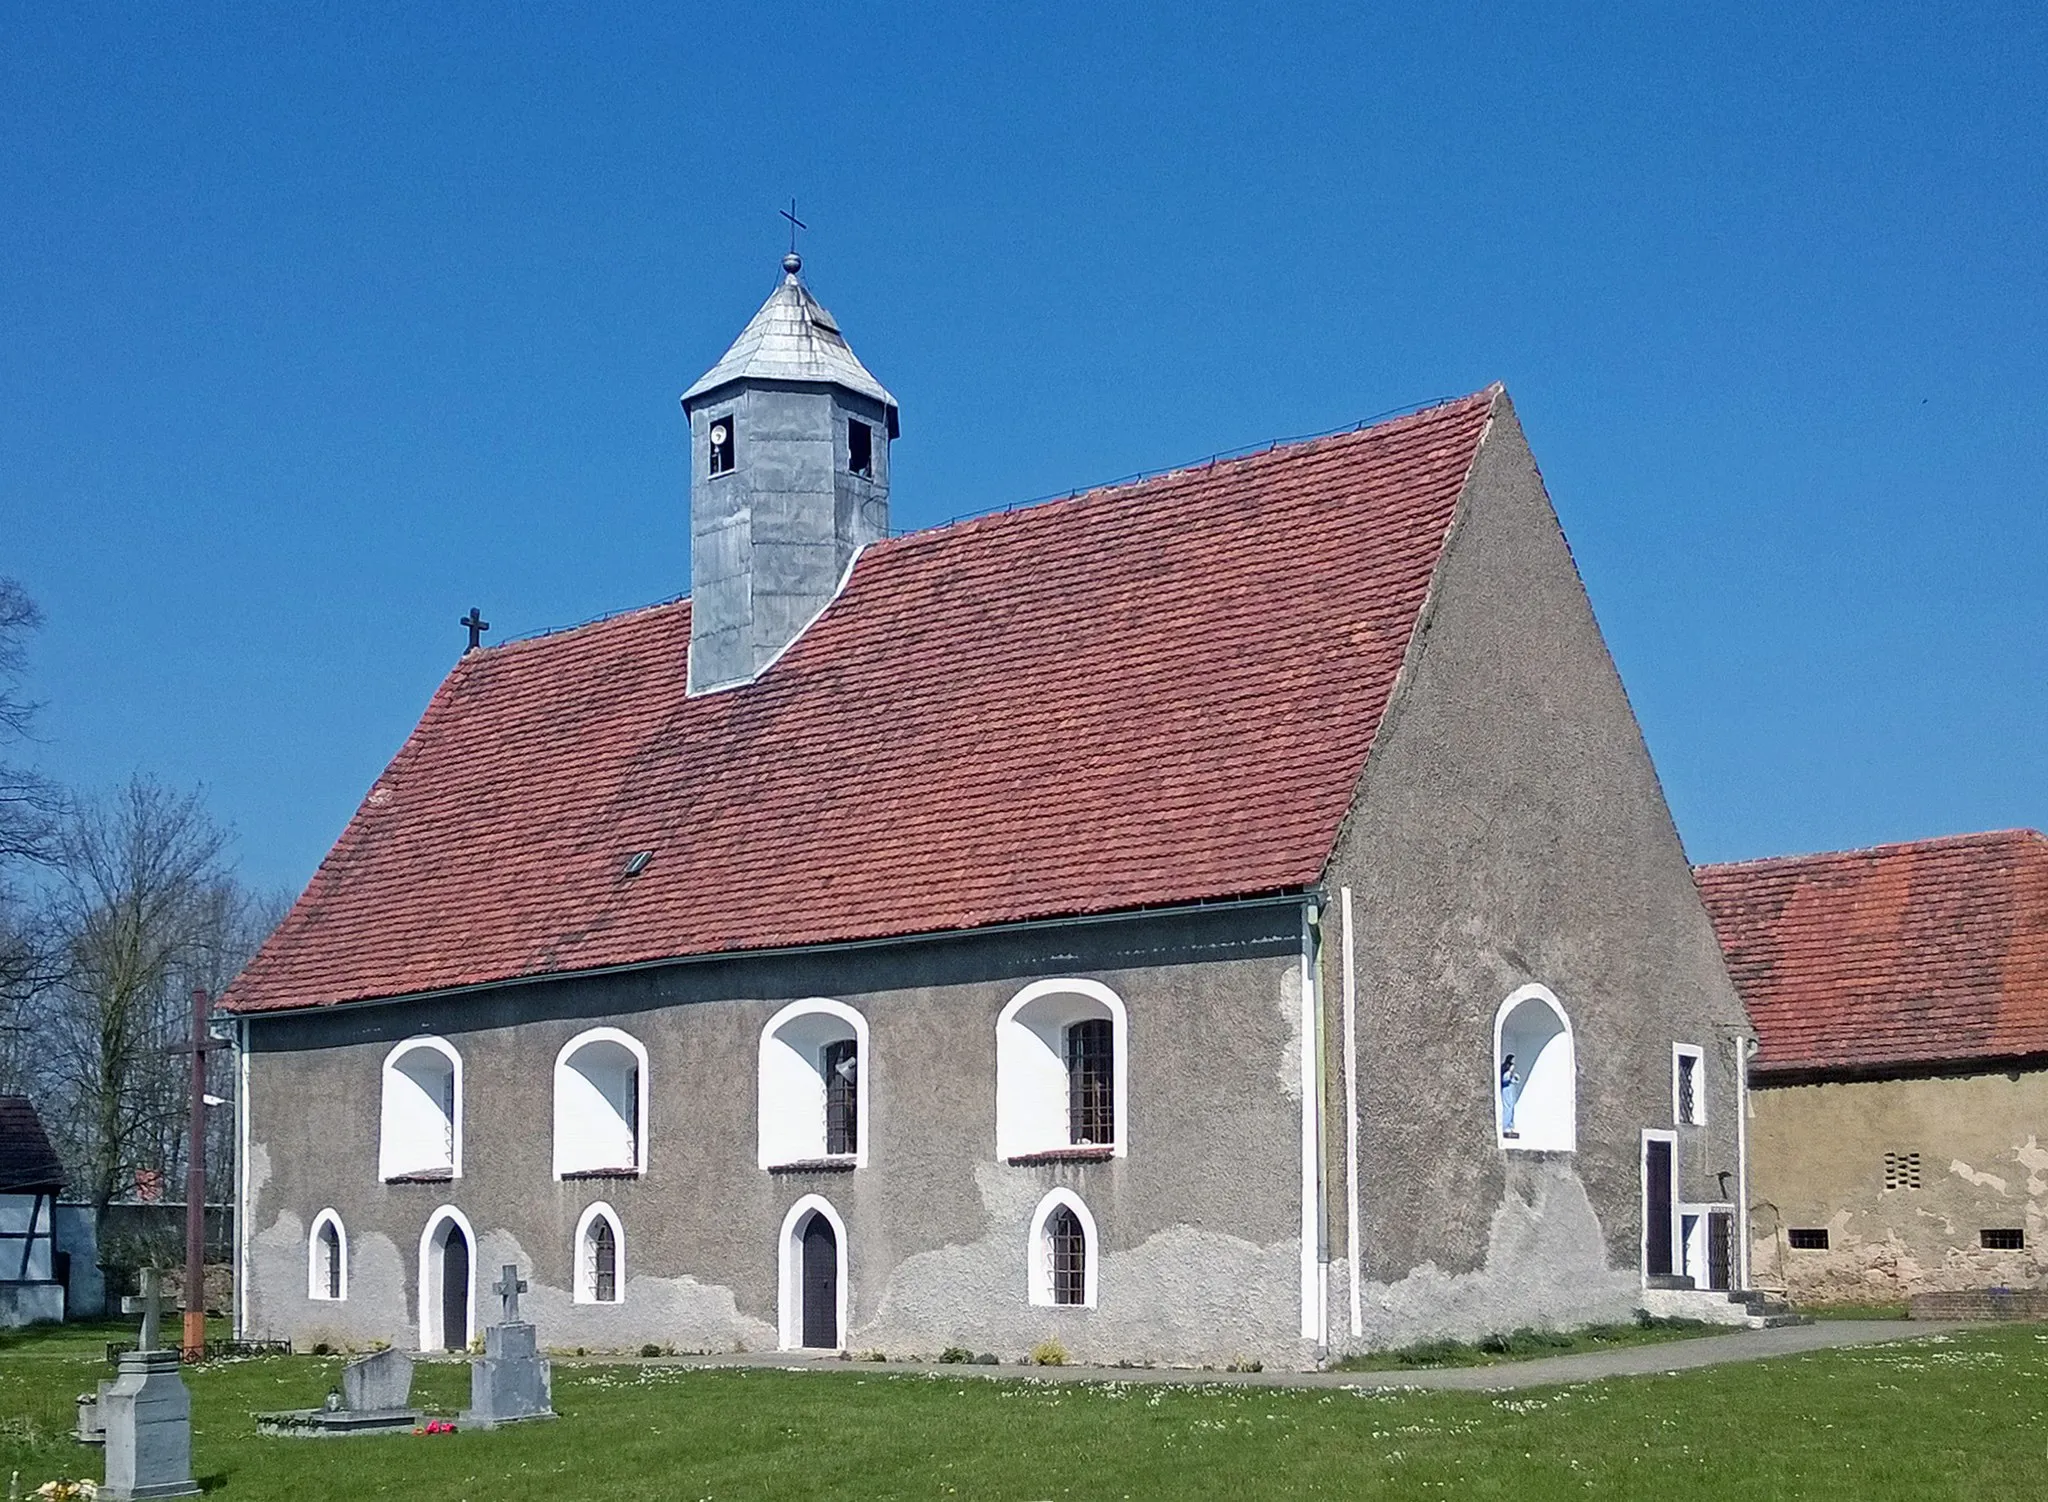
{"x": 789, "y": 478}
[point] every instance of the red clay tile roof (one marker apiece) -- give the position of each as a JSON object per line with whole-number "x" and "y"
{"x": 27, "y": 1161}
{"x": 1923, "y": 953}
{"x": 1151, "y": 694}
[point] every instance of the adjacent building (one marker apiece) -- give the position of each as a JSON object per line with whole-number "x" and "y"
{"x": 1900, "y": 1087}
{"x": 31, "y": 1281}
{"x": 1231, "y": 915}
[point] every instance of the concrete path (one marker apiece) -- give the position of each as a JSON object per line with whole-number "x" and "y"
{"x": 1549, "y": 1371}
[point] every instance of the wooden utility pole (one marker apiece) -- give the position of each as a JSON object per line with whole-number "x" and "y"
{"x": 201, "y": 1045}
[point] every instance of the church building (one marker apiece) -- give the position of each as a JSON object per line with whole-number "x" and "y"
{"x": 1226, "y": 916}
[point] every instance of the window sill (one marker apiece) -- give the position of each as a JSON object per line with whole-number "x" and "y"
{"x": 843, "y": 1163}
{"x": 1064, "y": 1155}
{"x": 424, "y": 1176}
{"x": 601, "y": 1173}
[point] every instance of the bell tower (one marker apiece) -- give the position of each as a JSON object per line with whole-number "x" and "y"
{"x": 789, "y": 479}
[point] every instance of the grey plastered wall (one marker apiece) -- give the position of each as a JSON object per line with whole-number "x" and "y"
{"x": 1198, "y": 1226}
{"x": 1509, "y": 830}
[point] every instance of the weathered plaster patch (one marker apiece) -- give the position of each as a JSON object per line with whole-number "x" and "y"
{"x": 679, "y": 1312}
{"x": 1990, "y": 1181}
{"x": 2034, "y": 1159}
{"x": 1546, "y": 1263}
{"x": 1289, "y": 1002}
{"x": 379, "y": 1302}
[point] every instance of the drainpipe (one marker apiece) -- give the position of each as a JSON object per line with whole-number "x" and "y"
{"x": 1351, "y": 1230}
{"x": 241, "y": 1290}
{"x": 1744, "y": 1047}
{"x": 1314, "y": 1231}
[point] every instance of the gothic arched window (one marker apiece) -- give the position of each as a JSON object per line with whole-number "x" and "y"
{"x": 327, "y": 1270}
{"x": 600, "y": 1257}
{"x": 1062, "y": 1252}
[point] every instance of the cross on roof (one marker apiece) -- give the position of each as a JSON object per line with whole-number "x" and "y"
{"x": 508, "y": 1288}
{"x": 150, "y": 1306}
{"x": 795, "y": 224}
{"x": 477, "y": 627}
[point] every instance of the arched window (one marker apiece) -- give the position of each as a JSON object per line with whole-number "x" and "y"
{"x": 446, "y": 1284}
{"x": 1062, "y": 1252}
{"x": 327, "y": 1258}
{"x": 812, "y": 1310}
{"x": 601, "y": 1105}
{"x": 1535, "y": 1087}
{"x": 812, "y": 1099}
{"x": 1062, "y": 1071}
{"x": 600, "y": 1257}
{"x": 422, "y": 1129}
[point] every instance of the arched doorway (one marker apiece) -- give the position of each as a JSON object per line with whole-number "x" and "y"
{"x": 813, "y": 1313}
{"x": 821, "y": 1284}
{"x": 447, "y": 1297}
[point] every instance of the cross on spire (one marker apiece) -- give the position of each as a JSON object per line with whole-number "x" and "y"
{"x": 508, "y": 1288}
{"x": 792, "y": 263}
{"x": 477, "y": 627}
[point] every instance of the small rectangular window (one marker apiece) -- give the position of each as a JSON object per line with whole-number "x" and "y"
{"x": 841, "y": 1063}
{"x": 723, "y": 445}
{"x": 1901, "y": 1171}
{"x": 860, "y": 448}
{"x": 2005, "y": 1239}
{"x": 1091, "y": 1084}
{"x": 1805, "y": 1239}
{"x": 1688, "y": 1097}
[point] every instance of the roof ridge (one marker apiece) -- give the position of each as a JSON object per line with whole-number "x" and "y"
{"x": 1889, "y": 847}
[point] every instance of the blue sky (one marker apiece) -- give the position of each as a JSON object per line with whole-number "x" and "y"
{"x": 318, "y": 326}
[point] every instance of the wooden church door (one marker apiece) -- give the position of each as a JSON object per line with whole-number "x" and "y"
{"x": 455, "y": 1291}
{"x": 821, "y": 1284}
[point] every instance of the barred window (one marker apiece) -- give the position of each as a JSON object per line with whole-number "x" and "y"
{"x": 1066, "y": 1249}
{"x": 2003, "y": 1239}
{"x": 840, "y": 1065}
{"x": 1091, "y": 1083}
{"x": 330, "y": 1258}
{"x": 1808, "y": 1239}
{"x": 604, "y": 1262}
{"x": 1901, "y": 1171}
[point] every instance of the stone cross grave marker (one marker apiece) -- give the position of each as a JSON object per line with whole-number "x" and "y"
{"x": 150, "y": 1306}
{"x": 508, "y": 1288}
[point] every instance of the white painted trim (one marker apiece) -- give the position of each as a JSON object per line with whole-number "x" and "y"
{"x": 430, "y": 1278}
{"x": 584, "y": 1285}
{"x": 1743, "y": 1048}
{"x": 1501, "y": 1014}
{"x": 1699, "y": 1083}
{"x": 1655, "y": 1134}
{"x": 764, "y": 1103}
{"x": 1038, "y": 1256}
{"x": 789, "y": 1251}
{"x": 1699, "y": 1213}
{"x": 638, "y": 1050}
{"x": 385, "y": 1165}
{"x": 1021, "y": 1120}
{"x": 1353, "y": 1259}
{"x": 1314, "y": 1275}
{"x": 316, "y": 1282}
{"x": 242, "y": 1179}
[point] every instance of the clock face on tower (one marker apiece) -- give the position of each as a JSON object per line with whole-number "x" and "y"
{"x": 721, "y": 444}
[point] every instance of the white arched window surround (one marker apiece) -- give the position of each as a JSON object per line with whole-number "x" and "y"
{"x": 1039, "y": 1250}
{"x": 586, "y": 1271}
{"x": 421, "y": 1129}
{"x": 1533, "y": 1026}
{"x": 457, "y": 1224}
{"x": 1031, "y": 1066}
{"x": 601, "y": 1080}
{"x": 316, "y": 1260}
{"x": 790, "y": 1256}
{"x": 790, "y": 1126}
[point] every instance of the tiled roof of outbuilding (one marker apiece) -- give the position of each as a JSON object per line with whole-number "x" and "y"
{"x": 1931, "y": 952}
{"x": 1152, "y": 694}
{"x": 27, "y": 1161}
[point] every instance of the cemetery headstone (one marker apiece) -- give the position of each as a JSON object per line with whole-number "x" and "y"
{"x": 146, "y": 1413}
{"x": 512, "y": 1381}
{"x": 375, "y": 1398}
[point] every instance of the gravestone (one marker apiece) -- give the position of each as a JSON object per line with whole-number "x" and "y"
{"x": 375, "y": 1398}
{"x": 146, "y": 1413}
{"x": 512, "y": 1381}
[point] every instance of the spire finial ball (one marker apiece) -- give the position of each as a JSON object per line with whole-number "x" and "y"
{"x": 792, "y": 263}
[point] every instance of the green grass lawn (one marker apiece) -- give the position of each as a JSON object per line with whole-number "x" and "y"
{"x": 1959, "y": 1416}
{"x": 1530, "y": 1345}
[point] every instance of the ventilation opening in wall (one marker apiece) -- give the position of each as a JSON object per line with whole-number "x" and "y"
{"x": 722, "y": 446}
{"x": 1901, "y": 1171}
{"x": 2010, "y": 1239}
{"x": 1805, "y": 1239}
{"x": 860, "y": 448}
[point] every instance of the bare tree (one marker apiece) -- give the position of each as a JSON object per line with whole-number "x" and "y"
{"x": 141, "y": 901}
{"x": 28, "y": 805}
